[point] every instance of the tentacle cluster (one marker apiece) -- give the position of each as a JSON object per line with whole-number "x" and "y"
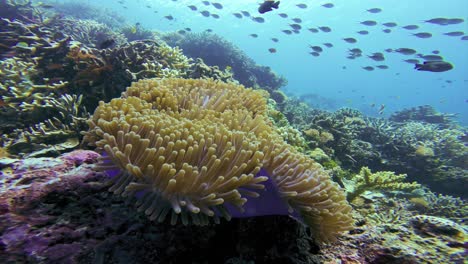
{"x": 187, "y": 147}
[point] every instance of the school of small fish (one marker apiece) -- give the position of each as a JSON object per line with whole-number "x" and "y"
{"x": 294, "y": 25}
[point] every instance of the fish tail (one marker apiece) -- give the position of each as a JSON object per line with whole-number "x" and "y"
{"x": 418, "y": 66}
{"x": 275, "y": 5}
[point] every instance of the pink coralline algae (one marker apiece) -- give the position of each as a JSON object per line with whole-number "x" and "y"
{"x": 26, "y": 186}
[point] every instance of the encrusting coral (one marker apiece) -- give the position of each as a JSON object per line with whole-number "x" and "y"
{"x": 190, "y": 148}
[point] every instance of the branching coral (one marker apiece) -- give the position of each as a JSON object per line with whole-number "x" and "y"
{"x": 190, "y": 148}
{"x": 18, "y": 90}
{"x": 87, "y": 31}
{"x": 51, "y": 136}
{"x": 149, "y": 59}
{"x": 382, "y": 180}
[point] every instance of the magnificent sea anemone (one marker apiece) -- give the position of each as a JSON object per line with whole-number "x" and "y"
{"x": 201, "y": 150}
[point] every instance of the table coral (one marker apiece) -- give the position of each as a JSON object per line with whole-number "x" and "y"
{"x": 187, "y": 148}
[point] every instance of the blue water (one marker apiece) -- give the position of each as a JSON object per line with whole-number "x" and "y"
{"x": 398, "y": 87}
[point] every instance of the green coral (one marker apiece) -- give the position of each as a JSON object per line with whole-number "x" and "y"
{"x": 378, "y": 181}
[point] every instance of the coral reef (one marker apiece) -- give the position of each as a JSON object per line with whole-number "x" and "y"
{"x": 452, "y": 208}
{"x": 424, "y": 113}
{"x": 209, "y": 145}
{"x": 428, "y": 153}
{"x": 379, "y": 181}
{"x": 42, "y": 65}
{"x": 216, "y": 51}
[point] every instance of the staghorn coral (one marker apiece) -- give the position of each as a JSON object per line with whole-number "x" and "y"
{"x": 194, "y": 148}
{"x": 446, "y": 206}
{"x": 17, "y": 88}
{"x": 54, "y": 135}
{"x": 382, "y": 180}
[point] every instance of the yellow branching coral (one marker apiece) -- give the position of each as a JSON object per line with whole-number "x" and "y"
{"x": 381, "y": 180}
{"x": 187, "y": 148}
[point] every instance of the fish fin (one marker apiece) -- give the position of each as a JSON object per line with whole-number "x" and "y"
{"x": 275, "y": 5}
{"x": 418, "y": 66}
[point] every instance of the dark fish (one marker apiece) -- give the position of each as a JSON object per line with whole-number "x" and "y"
{"x": 316, "y": 48}
{"x": 387, "y": 30}
{"x": 328, "y": 45}
{"x": 464, "y": 38}
{"x": 206, "y": 3}
{"x": 389, "y": 50}
{"x": 453, "y": 21}
{"x": 314, "y": 53}
{"x": 328, "y": 5}
{"x": 182, "y": 32}
{"x": 295, "y": 26}
{"x": 363, "y": 32}
{"x": 355, "y": 50}
{"x": 350, "y": 40}
{"x": 192, "y": 7}
{"x": 215, "y": 16}
{"x": 268, "y": 6}
{"x": 368, "y": 23}
{"x": 287, "y": 31}
{"x": 377, "y": 56}
{"x": 435, "y": 52}
{"x": 148, "y": 6}
{"x": 107, "y": 44}
{"x": 296, "y": 31}
{"x": 368, "y": 68}
{"x": 254, "y": 35}
{"x": 169, "y": 17}
{"x": 274, "y": 39}
{"x": 245, "y": 13}
{"x": 313, "y": 30}
{"x": 238, "y": 15}
{"x": 423, "y": 35}
{"x": 283, "y": 15}
{"x": 455, "y": 33}
{"x": 209, "y": 30}
{"x": 188, "y": 29}
{"x": 411, "y": 27}
{"x": 325, "y": 29}
{"x": 374, "y": 10}
{"x": 382, "y": 67}
{"x": 390, "y": 24}
{"x": 438, "y": 21}
{"x": 258, "y": 19}
{"x": 297, "y": 20}
{"x": 272, "y": 50}
{"x": 301, "y": 6}
{"x": 217, "y": 5}
{"x": 434, "y": 66}
{"x": 431, "y": 57}
{"x": 205, "y": 13}
{"x": 412, "y": 61}
{"x": 405, "y": 51}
